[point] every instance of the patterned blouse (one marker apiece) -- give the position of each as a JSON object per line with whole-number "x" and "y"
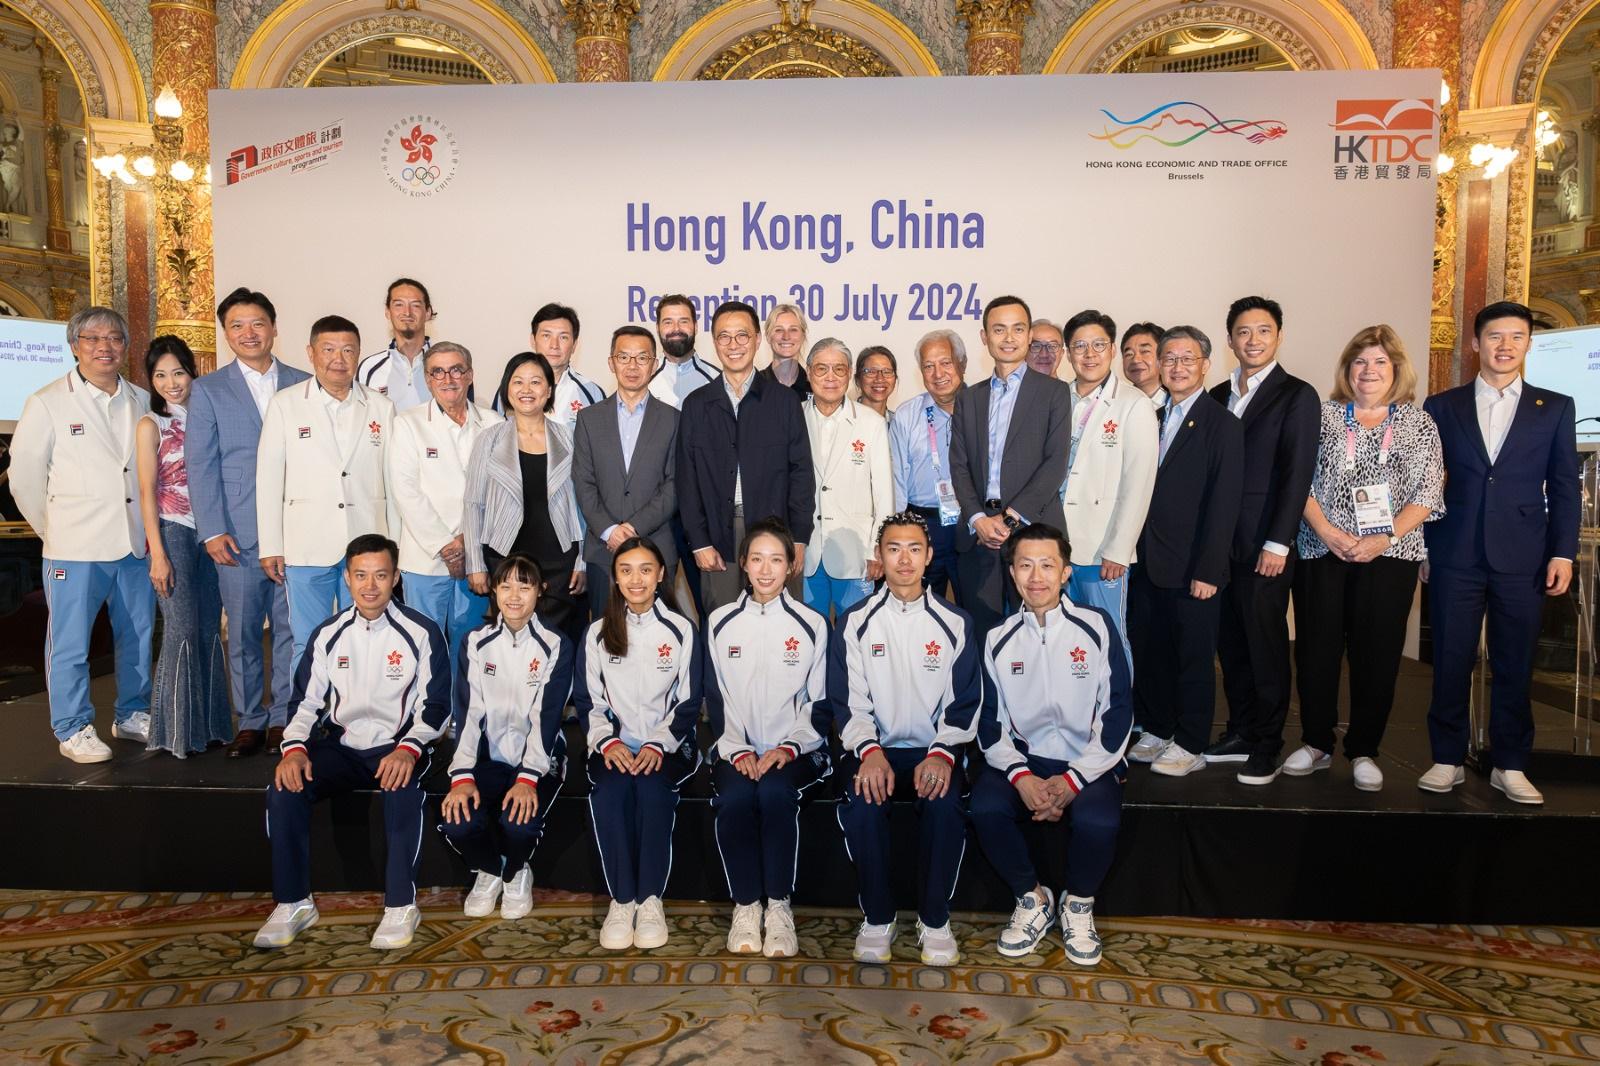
{"x": 1415, "y": 473}
{"x": 172, "y": 474}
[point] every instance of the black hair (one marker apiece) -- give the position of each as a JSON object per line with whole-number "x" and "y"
{"x": 674, "y": 300}
{"x": 905, "y": 518}
{"x": 166, "y": 344}
{"x": 1503, "y": 309}
{"x": 876, "y": 349}
{"x": 1006, "y": 301}
{"x": 516, "y": 565}
{"x": 243, "y": 297}
{"x": 614, "y": 623}
{"x": 1090, "y": 317}
{"x": 1141, "y": 329}
{"x": 1039, "y": 531}
{"x": 633, "y": 331}
{"x": 736, "y": 307}
{"x": 767, "y": 527}
{"x": 370, "y": 544}
{"x": 550, "y": 313}
{"x": 333, "y": 324}
{"x": 502, "y": 401}
{"x": 1255, "y": 303}
{"x": 427, "y": 301}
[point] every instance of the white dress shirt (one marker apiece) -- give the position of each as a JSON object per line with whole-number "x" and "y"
{"x": 1239, "y": 399}
{"x": 261, "y": 385}
{"x": 1496, "y": 409}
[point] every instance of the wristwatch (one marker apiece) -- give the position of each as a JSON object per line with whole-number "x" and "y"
{"x": 1011, "y": 522}
{"x": 1394, "y": 541}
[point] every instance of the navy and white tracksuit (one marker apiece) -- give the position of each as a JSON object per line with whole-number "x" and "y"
{"x": 376, "y": 685}
{"x": 903, "y": 678}
{"x": 511, "y": 692}
{"x": 1056, "y": 702}
{"x": 765, "y": 688}
{"x": 648, "y": 697}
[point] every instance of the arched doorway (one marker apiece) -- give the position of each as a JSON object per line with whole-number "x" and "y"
{"x": 759, "y": 39}
{"x": 1204, "y": 49}
{"x": 399, "y": 61}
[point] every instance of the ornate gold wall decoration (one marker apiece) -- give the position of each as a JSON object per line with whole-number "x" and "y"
{"x": 57, "y": 239}
{"x": 796, "y": 47}
{"x": 1282, "y": 37}
{"x": 1544, "y": 46}
{"x": 994, "y": 34}
{"x": 395, "y": 25}
{"x": 602, "y": 37}
{"x": 94, "y": 93}
{"x": 1519, "y": 223}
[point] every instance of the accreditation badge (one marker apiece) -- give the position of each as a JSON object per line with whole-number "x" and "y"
{"x": 949, "y": 509}
{"x": 1374, "y": 512}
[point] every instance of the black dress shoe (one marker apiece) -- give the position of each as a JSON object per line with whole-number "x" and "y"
{"x": 274, "y": 739}
{"x": 1259, "y": 769}
{"x": 1231, "y": 748}
{"x": 248, "y": 742}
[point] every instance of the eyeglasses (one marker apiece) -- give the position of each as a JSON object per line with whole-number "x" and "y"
{"x": 102, "y": 338}
{"x": 1181, "y": 360}
{"x": 1099, "y": 346}
{"x": 878, "y": 372}
{"x": 829, "y": 370}
{"x": 633, "y": 360}
{"x": 454, "y": 373}
{"x": 741, "y": 338}
{"x": 1044, "y": 348}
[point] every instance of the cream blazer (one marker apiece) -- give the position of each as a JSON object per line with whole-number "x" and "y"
{"x": 312, "y": 497}
{"x": 1109, "y": 484}
{"x": 855, "y": 489}
{"x": 73, "y": 481}
{"x": 428, "y": 480}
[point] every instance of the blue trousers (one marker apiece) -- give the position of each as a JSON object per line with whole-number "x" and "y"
{"x": 336, "y": 770}
{"x": 942, "y": 840}
{"x": 1085, "y": 587}
{"x": 998, "y": 816}
{"x": 251, "y": 599}
{"x": 455, "y": 607}
{"x": 633, "y": 817}
{"x": 73, "y": 593}
{"x": 1458, "y": 599}
{"x": 831, "y": 596}
{"x": 941, "y": 572}
{"x": 758, "y": 825}
{"x": 314, "y": 593}
{"x": 489, "y": 840}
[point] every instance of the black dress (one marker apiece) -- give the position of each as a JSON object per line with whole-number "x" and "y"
{"x": 537, "y": 540}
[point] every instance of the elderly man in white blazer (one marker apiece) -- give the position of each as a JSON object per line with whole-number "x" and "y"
{"x": 855, "y": 484}
{"x": 74, "y": 479}
{"x": 320, "y": 477}
{"x": 427, "y": 481}
{"x": 1111, "y": 469}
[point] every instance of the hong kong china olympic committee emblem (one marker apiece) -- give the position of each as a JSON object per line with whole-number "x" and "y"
{"x": 419, "y": 155}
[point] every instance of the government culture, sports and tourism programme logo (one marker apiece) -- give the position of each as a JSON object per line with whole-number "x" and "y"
{"x": 299, "y": 151}
{"x": 419, "y": 155}
{"x": 1384, "y": 139}
{"x": 1181, "y": 122}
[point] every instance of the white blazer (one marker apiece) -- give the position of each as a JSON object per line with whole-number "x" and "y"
{"x": 1109, "y": 484}
{"x": 428, "y": 479}
{"x": 312, "y": 497}
{"x": 855, "y": 489}
{"x": 72, "y": 475}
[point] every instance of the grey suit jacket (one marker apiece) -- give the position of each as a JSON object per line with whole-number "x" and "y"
{"x": 492, "y": 499}
{"x": 644, "y": 494}
{"x": 1033, "y": 463}
{"x": 224, "y": 432}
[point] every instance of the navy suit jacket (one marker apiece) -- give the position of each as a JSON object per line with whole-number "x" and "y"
{"x": 1516, "y": 514}
{"x": 1195, "y": 506}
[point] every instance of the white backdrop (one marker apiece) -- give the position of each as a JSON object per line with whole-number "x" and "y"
{"x": 1156, "y": 197}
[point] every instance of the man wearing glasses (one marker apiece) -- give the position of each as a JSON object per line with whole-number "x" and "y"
{"x": 1111, "y": 470}
{"x": 743, "y": 455}
{"x": 1045, "y": 345}
{"x": 427, "y": 470}
{"x": 397, "y": 372}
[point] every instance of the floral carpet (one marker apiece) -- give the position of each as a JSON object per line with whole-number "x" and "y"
{"x": 168, "y": 978}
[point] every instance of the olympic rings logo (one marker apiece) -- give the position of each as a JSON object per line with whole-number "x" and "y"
{"x": 423, "y": 176}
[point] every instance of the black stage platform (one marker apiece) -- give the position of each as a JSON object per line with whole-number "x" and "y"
{"x": 1309, "y": 848}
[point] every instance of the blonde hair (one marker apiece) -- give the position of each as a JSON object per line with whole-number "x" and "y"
{"x": 1404, "y": 388}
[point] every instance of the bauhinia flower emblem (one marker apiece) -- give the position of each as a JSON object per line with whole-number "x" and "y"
{"x": 419, "y": 145}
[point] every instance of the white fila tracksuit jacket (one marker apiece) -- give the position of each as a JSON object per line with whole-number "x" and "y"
{"x": 904, "y": 675}
{"x": 1059, "y": 691}
{"x": 766, "y": 677}
{"x": 651, "y": 695}
{"x": 382, "y": 682}
{"x": 515, "y": 685}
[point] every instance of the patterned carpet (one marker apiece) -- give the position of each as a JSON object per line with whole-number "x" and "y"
{"x": 172, "y": 978}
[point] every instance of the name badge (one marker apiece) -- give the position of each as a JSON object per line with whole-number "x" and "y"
{"x": 1374, "y": 512}
{"x": 949, "y": 509}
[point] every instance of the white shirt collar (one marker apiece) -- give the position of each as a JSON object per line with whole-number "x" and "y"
{"x": 268, "y": 374}
{"x": 1483, "y": 390}
{"x": 1255, "y": 379}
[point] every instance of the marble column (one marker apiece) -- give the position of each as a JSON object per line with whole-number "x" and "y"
{"x": 602, "y": 28}
{"x": 994, "y": 34}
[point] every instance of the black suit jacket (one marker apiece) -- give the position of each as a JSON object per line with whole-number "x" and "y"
{"x": 1194, "y": 506}
{"x": 766, "y": 443}
{"x": 1034, "y": 464}
{"x": 1282, "y": 430}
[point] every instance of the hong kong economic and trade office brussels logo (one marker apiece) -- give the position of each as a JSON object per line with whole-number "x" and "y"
{"x": 1181, "y": 122}
{"x": 419, "y": 155}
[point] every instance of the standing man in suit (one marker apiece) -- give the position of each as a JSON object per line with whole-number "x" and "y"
{"x": 397, "y": 372}
{"x": 1282, "y": 421}
{"x": 1008, "y": 455}
{"x": 1140, "y": 363}
{"x": 427, "y": 477}
{"x": 320, "y": 479}
{"x": 73, "y": 477}
{"x": 623, "y": 464}
{"x": 554, "y": 335}
{"x": 743, "y": 455}
{"x": 1183, "y": 561}
{"x": 1506, "y": 541}
{"x": 226, "y": 409}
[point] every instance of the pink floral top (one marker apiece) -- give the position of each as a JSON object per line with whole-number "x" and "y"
{"x": 172, "y": 474}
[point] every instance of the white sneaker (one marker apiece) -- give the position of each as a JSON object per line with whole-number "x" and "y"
{"x": 485, "y": 891}
{"x": 781, "y": 942}
{"x": 874, "y": 943}
{"x": 939, "y": 946}
{"x": 1147, "y": 748}
{"x": 135, "y": 727}
{"x": 650, "y": 925}
{"x": 1078, "y": 932}
{"x": 86, "y": 746}
{"x": 287, "y": 921}
{"x": 1516, "y": 786}
{"x": 1030, "y": 921}
{"x": 1368, "y": 777}
{"x": 518, "y": 900}
{"x": 1177, "y": 762}
{"x": 1306, "y": 760}
{"x": 1442, "y": 777}
{"x": 397, "y": 927}
{"x": 616, "y": 934}
{"x": 744, "y": 932}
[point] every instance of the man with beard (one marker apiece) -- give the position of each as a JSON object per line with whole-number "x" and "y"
{"x": 786, "y": 336}
{"x": 396, "y": 372}
{"x": 682, "y": 371}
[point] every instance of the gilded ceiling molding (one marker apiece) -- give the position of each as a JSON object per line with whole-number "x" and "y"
{"x": 858, "y": 20}
{"x": 393, "y": 24}
{"x": 796, "y": 48}
{"x": 1518, "y": 47}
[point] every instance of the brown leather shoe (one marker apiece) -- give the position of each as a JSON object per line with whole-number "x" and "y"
{"x": 274, "y": 739}
{"x": 248, "y": 742}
